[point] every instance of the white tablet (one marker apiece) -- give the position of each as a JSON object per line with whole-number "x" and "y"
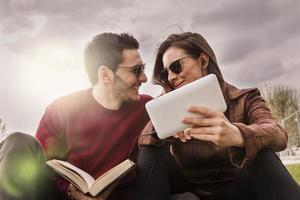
{"x": 167, "y": 111}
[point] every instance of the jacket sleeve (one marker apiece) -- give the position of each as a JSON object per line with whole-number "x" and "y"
{"x": 261, "y": 130}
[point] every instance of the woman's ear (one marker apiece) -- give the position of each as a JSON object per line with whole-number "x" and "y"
{"x": 204, "y": 60}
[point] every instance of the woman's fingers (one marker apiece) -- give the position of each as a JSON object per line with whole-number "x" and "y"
{"x": 203, "y": 122}
{"x": 202, "y": 130}
{"x": 182, "y": 136}
{"x": 211, "y": 134}
{"x": 205, "y": 112}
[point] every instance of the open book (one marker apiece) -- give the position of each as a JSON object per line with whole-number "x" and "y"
{"x": 85, "y": 182}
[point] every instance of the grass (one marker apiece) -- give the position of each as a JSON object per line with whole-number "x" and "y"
{"x": 294, "y": 169}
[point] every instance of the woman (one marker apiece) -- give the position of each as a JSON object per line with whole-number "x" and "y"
{"x": 223, "y": 155}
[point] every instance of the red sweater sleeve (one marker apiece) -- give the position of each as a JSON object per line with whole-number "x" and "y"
{"x": 51, "y": 134}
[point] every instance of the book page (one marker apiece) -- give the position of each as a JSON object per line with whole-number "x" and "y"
{"x": 85, "y": 176}
{"x": 110, "y": 176}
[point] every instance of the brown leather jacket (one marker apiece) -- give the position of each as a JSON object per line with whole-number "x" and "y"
{"x": 204, "y": 162}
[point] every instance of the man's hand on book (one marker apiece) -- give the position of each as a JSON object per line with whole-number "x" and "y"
{"x": 76, "y": 194}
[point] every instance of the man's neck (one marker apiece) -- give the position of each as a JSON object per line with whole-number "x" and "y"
{"x": 106, "y": 98}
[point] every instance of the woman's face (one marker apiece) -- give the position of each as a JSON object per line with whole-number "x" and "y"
{"x": 192, "y": 68}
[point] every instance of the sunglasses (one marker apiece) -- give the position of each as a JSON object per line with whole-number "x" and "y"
{"x": 175, "y": 67}
{"x": 137, "y": 70}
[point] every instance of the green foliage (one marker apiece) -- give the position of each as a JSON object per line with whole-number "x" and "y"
{"x": 294, "y": 169}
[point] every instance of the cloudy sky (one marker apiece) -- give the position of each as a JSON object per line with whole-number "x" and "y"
{"x": 41, "y": 44}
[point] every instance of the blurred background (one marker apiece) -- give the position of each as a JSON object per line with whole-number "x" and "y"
{"x": 257, "y": 44}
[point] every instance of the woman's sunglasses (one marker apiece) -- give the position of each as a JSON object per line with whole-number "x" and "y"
{"x": 175, "y": 67}
{"x": 137, "y": 70}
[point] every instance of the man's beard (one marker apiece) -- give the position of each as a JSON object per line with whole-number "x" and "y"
{"x": 120, "y": 89}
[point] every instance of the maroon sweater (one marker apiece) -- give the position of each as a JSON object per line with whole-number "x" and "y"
{"x": 79, "y": 130}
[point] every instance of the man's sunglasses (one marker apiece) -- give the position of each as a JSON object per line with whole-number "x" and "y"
{"x": 137, "y": 70}
{"x": 175, "y": 67}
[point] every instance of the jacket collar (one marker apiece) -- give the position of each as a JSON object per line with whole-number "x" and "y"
{"x": 232, "y": 93}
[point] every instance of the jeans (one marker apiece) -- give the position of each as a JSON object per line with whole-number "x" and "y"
{"x": 159, "y": 177}
{"x": 23, "y": 173}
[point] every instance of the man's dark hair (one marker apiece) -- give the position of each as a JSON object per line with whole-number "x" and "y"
{"x": 106, "y": 49}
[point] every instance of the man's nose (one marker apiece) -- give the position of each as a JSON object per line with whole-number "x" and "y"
{"x": 142, "y": 77}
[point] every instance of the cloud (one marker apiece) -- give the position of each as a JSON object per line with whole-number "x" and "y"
{"x": 244, "y": 28}
{"x": 254, "y": 41}
{"x": 290, "y": 77}
{"x": 257, "y": 72}
{"x": 237, "y": 31}
{"x": 61, "y": 20}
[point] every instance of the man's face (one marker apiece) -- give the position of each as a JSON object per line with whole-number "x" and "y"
{"x": 126, "y": 83}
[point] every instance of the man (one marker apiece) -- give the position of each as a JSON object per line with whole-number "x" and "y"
{"x": 97, "y": 128}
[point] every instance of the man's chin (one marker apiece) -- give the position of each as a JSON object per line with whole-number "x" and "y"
{"x": 133, "y": 98}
